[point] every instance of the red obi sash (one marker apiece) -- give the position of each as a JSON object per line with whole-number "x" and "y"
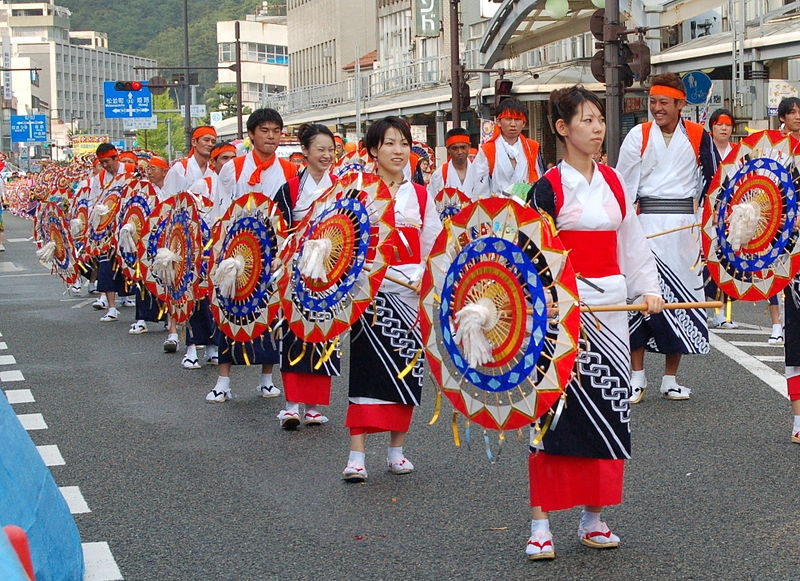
{"x": 593, "y": 253}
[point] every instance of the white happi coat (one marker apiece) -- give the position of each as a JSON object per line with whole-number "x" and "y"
{"x": 438, "y": 183}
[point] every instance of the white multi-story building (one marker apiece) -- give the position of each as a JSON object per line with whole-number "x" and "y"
{"x": 264, "y": 57}
{"x": 72, "y": 67}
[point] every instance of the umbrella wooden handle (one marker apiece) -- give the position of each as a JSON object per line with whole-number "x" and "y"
{"x": 643, "y": 307}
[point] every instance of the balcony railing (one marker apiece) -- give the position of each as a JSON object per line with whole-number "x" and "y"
{"x": 388, "y": 80}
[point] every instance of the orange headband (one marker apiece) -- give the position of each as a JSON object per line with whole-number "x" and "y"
{"x": 338, "y": 140}
{"x": 511, "y": 114}
{"x": 205, "y": 130}
{"x": 452, "y": 140}
{"x": 724, "y": 120}
{"x": 222, "y": 149}
{"x": 158, "y": 162}
{"x": 107, "y": 154}
{"x": 666, "y": 91}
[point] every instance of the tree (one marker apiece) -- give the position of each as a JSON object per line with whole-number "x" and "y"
{"x": 158, "y": 139}
{"x": 222, "y": 98}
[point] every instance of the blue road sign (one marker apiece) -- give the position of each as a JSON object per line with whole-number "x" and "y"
{"x": 698, "y": 86}
{"x": 127, "y": 104}
{"x": 28, "y": 128}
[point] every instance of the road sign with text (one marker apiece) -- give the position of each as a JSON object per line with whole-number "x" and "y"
{"x": 136, "y": 123}
{"x": 28, "y": 128}
{"x": 126, "y": 104}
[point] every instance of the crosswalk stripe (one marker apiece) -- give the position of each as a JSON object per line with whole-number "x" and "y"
{"x": 771, "y": 358}
{"x": 7, "y": 360}
{"x": 19, "y": 396}
{"x": 8, "y": 376}
{"x": 3, "y": 346}
{"x": 51, "y": 455}
{"x": 32, "y": 421}
{"x": 100, "y": 563}
{"x": 756, "y": 344}
{"x": 761, "y": 370}
{"x": 75, "y": 501}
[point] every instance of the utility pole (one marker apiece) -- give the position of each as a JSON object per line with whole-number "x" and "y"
{"x": 456, "y": 70}
{"x": 614, "y": 90}
{"x": 239, "y": 129}
{"x": 187, "y": 83}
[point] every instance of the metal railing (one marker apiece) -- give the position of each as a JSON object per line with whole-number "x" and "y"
{"x": 404, "y": 77}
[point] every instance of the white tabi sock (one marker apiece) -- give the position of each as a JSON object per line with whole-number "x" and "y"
{"x": 589, "y": 519}
{"x": 292, "y": 407}
{"x": 668, "y": 380}
{"x": 223, "y": 384}
{"x": 356, "y": 459}
{"x": 542, "y": 524}
{"x": 777, "y": 330}
{"x": 796, "y": 424}
{"x": 191, "y": 352}
{"x": 266, "y": 379}
{"x": 395, "y": 453}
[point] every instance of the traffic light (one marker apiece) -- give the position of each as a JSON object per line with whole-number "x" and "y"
{"x": 502, "y": 90}
{"x": 128, "y": 86}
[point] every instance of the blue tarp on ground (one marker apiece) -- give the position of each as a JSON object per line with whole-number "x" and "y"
{"x": 30, "y": 499}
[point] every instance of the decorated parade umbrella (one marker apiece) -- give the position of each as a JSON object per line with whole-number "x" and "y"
{"x": 244, "y": 293}
{"x": 139, "y": 199}
{"x": 171, "y": 247}
{"x": 53, "y": 237}
{"x": 449, "y": 202}
{"x": 750, "y": 218}
{"x": 79, "y": 221}
{"x": 101, "y": 232}
{"x": 334, "y": 260}
{"x": 491, "y": 277}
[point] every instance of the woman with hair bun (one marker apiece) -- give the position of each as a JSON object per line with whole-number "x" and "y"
{"x": 581, "y": 461}
{"x": 302, "y": 383}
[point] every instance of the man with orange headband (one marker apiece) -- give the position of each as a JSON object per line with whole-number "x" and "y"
{"x": 454, "y": 173}
{"x": 258, "y": 171}
{"x": 179, "y": 178}
{"x": 667, "y": 165}
{"x": 508, "y": 157}
{"x": 109, "y": 283}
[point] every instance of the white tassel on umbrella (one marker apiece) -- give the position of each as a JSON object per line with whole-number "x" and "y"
{"x": 45, "y": 253}
{"x": 126, "y": 240}
{"x": 227, "y": 274}
{"x": 76, "y": 227}
{"x": 745, "y": 219}
{"x": 315, "y": 255}
{"x": 472, "y": 320}
{"x": 164, "y": 264}
{"x": 98, "y": 213}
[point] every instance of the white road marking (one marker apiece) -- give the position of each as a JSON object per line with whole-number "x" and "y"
{"x": 75, "y": 501}
{"x": 4, "y": 275}
{"x": 100, "y": 563}
{"x": 83, "y": 303}
{"x": 10, "y": 267}
{"x": 771, "y": 358}
{"x": 756, "y": 344}
{"x": 51, "y": 455}
{"x": 30, "y": 238}
{"x": 3, "y": 345}
{"x": 762, "y": 371}
{"x": 8, "y": 376}
{"x": 19, "y": 396}
{"x": 32, "y": 421}
{"x": 748, "y": 331}
{"x": 7, "y": 360}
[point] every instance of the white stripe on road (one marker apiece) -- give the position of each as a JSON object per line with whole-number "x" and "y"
{"x": 771, "y": 358}
{"x": 19, "y": 396}
{"x": 751, "y": 331}
{"x": 29, "y": 239}
{"x": 7, "y": 360}
{"x": 4, "y": 275}
{"x": 762, "y": 371}
{"x": 51, "y": 455}
{"x": 83, "y": 303}
{"x": 32, "y": 421}
{"x": 7, "y": 376}
{"x": 75, "y": 501}
{"x": 3, "y": 346}
{"x": 100, "y": 563}
{"x": 756, "y": 344}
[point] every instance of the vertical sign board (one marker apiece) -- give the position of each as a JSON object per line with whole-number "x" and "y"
{"x": 7, "y": 94}
{"x": 427, "y": 17}
{"x": 126, "y": 104}
{"x": 28, "y": 128}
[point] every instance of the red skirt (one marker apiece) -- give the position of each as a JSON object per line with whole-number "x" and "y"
{"x": 372, "y": 418}
{"x": 308, "y": 388}
{"x": 562, "y": 482}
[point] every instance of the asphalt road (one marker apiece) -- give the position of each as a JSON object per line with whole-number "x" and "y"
{"x": 184, "y": 490}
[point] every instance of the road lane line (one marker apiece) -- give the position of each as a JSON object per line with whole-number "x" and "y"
{"x": 19, "y": 396}
{"x": 8, "y": 376}
{"x": 3, "y": 345}
{"x": 100, "y": 563}
{"x": 762, "y": 371}
{"x": 75, "y": 501}
{"x": 7, "y": 360}
{"x": 32, "y": 421}
{"x": 51, "y": 455}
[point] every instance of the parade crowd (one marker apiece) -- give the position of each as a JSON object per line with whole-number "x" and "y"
{"x": 604, "y": 216}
